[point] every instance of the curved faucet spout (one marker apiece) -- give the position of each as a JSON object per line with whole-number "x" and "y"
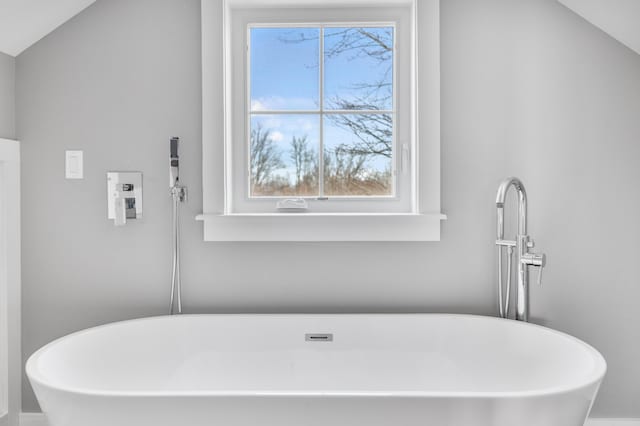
{"x": 522, "y": 204}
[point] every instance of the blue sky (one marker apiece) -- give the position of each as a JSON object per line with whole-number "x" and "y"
{"x": 285, "y": 70}
{"x": 284, "y": 75}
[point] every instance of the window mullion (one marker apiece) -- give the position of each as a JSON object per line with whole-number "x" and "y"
{"x": 321, "y": 118}
{"x": 329, "y": 112}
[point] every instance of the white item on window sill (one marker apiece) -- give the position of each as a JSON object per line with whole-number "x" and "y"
{"x": 292, "y": 205}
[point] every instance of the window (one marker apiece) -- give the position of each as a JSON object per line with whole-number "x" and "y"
{"x": 320, "y": 103}
{"x": 321, "y": 110}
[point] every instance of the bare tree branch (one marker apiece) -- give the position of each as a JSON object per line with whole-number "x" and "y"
{"x": 265, "y": 157}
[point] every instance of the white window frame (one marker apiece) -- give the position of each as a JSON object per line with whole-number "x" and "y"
{"x": 421, "y": 222}
{"x": 403, "y": 181}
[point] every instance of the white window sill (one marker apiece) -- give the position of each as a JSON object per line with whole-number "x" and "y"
{"x": 322, "y": 227}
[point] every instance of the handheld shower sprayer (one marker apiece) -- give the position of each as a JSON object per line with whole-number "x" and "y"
{"x": 173, "y": 162}
{"x": 177, "y": 190}
{"x": 179, "y": 195}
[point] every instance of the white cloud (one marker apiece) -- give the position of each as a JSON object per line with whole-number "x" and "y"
{"x": 283, "y": 127}
{"x": 277, "y": 136}
{"x": 257, "y": 105}
{"x": 278, "y": 103}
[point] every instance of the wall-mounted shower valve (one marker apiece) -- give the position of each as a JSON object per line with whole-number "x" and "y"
{"x": 124, "y": 196}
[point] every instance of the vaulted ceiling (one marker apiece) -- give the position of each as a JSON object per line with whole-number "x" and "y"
{"x": 619, "y": 18}
{"x": 24, "y": 22}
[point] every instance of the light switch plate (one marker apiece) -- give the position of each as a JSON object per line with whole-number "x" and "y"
{"x": 73, "y": 165}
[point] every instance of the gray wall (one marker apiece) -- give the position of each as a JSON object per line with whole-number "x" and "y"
{"x": 578, "y": 134}
{"x": 7, "y": 96}
{"x": 528, "y": 89}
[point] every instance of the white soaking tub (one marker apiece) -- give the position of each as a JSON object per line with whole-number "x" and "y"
{"x": 317, "y": 370}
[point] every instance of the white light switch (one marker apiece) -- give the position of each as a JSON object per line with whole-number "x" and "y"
{"x": 73, "y": 165}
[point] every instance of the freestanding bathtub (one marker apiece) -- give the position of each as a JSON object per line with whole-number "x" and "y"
{"x": 317, "y": 370}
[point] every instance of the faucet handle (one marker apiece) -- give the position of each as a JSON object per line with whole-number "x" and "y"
{"x": 531, "y": 243}
{"x": 539, "y": 260}
{"x": 535, "y": 259}
{"x": 540, "y": 275}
